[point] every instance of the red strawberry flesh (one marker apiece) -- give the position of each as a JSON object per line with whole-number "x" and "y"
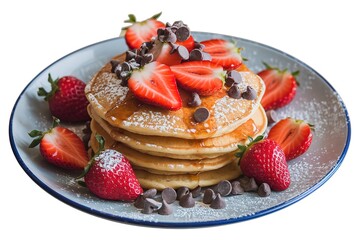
{"x": 294, "y": 136}
{"x": 63, "y": 148}
{"x": 202, "y": 77}
{"x": 155, "y": 84}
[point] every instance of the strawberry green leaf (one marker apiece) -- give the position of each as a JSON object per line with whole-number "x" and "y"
{"x": 35, "y": 133}
{"x": 35, "y": 142}
{"x": 156, "y": 16}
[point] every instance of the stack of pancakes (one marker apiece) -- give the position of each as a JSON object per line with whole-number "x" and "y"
{"x": 168, "y": 148}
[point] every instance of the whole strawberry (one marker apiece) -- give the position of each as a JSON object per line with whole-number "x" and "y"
{"x": 265, "y": 161}
{"x": 67, "y": 100}
{"x": 61, "y": 147}
{"x": 110, "y": 176}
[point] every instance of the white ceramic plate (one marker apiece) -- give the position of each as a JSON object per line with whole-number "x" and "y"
{"x": 316, "y": 102}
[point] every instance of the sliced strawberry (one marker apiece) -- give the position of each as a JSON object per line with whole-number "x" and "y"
{"x": 280, "y": 85}
{"x": 202, "y": 77}
{"x": 162, "y": 52}
{"x": 61, "y": 147}
{"x": 155, "y": 84}
{"x": 223, "y": 52}
{"x": 189, "y": 43}
{"x": 140, "y": 32}
{"x": 294, "y": 136}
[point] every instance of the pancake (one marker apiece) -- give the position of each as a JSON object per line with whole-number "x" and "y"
{"x": 187, "y": 148}
{"x": 119, "y": 107}
{"x": 155, "y": 164}
{"x": 150, "y": 180}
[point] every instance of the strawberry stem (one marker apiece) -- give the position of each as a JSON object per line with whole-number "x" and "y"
{"x": 132, "y": 20}
{"x": 54, "y": 87}
{"x": 101, "y": 143}
{"x": 38, "y": 135}
{"x": 243, "y": 148}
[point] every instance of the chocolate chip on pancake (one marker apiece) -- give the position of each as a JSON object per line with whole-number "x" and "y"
{"x": 201, "y": 114}
{"x": 234, "y": 91}
{"x": 232, "y": 77}
{"x": 195, "y": 100}
{"x": 249, "y": 94}
{"x": 114, "y": 64}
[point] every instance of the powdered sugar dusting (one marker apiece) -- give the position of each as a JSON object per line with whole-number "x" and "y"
{"x": 109, "y": 159}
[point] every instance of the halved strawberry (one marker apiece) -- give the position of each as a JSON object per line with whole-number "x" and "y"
{"x": 61, "y": 147}
{"x": 280, "y": 85}
{"x": 188, "y": 43}
{"x": 223, "y": 52}
{"x": 294, "y": 136}
{"x": 202, "y": 77}
{"x": 162, "y": 52}
{"x": 140, "y": 32}
{"x": 155, "y": 84}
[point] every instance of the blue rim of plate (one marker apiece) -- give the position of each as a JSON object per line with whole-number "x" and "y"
{"x": 182, "y": 224}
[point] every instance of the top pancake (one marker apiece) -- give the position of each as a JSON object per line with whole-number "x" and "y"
{"x": 119, "y": 107}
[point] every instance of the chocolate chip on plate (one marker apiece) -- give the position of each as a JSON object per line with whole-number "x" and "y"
{"x": 250, "y": 185}
{"x": 182, "y": 191}
{"x": 196, "y": 192}
{"x": 165, "y": 208}
{"x": 264, "y": 190}
{"x": 150, "y": 205}
{"x": 249, "y": 94}
{"x": 150, "y": 193}
{"x": 201, "y": 114}
{"x": 223, "y": 188}
{"x": 236, "y": 188}
{"x": 218, "y": 202}
{"x": 187, "y": 201}
{"x": 169, "y": 195}
{"x": 209, "y": 196}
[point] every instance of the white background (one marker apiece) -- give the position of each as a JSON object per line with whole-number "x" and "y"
{"x": 320, "y": 33}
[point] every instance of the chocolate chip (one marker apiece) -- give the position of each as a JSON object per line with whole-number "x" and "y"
{"x": 236, "y": 188}
{"x": 178, "y": 24}
{"x": 139, "y": 202}
{"x": 183, "y": 52}
{"x": 182, "y": 191}
{"x": 218, "y": 202}
{"x": 209, "y": 196}
{"x": 174, "y": 47}
{"x": 234, "y": 91}
{"x": 249, "y": 185}
{"x": 201, "y": 114}
{"x": 182, "y": 33}
{"x": 232, "y": 77}
{"x": 195, "y": 100}
{"x": 169, "y": 195}
{"x": 272, "y": 116}
{"x": 187, "y": 201}
{"x": 114, "y": 64}
{"x": 165, "y": 209}
{"x": 224, "y": 188}
{"x": 264, "y": 190}
{"x": 199, "y": 46}
{"x": 130, "y": 54}
{"x": 249, "y": 94}
{"x": 150, "y": 205}
{"x": 196, "y": 55}
{"x": 196, "y": 192}
{"x": 150, "y": 193}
